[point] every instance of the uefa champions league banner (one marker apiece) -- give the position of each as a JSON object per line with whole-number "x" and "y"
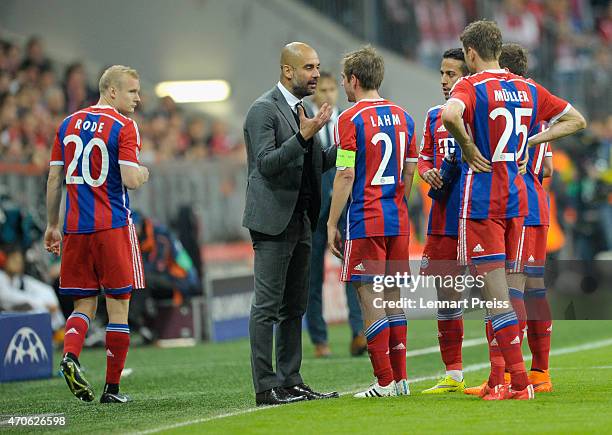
{"x": 229, "y": 296}
{"x": 25, "y": 346}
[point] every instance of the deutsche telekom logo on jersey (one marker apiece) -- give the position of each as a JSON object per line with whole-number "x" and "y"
{"x": 446, "y": 145}
{"x": 513, "y": 96}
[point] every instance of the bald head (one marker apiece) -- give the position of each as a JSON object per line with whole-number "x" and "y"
{"x": 299, "y": 64}
{"x": 293, "y": 53}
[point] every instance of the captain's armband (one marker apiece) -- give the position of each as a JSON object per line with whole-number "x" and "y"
{"x": 345, "y": 158}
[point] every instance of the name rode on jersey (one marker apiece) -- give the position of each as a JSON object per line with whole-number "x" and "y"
{"x": 436, "y": 143}
{"x": 537, "y": 197}
{"x": 381, "y": 134}
{"x": 500, "y": 109}
{"x": 91, "y": 144}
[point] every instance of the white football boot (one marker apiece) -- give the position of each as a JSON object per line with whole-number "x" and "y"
{"x": 402, "y": 388}
{"x": 376, "y": 390}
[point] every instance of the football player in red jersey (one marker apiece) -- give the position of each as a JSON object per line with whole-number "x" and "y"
{"x": 499, "y": 109}
{"x": 440, "y": 253}
{"x": 96, "y": 152}
{"x": 375, "y": 165}
{"x": 529, "y": 287}
{"x": 531, "y": 306}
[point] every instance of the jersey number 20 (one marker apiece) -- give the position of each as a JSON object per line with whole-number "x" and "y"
{"x": 78, "y": 150}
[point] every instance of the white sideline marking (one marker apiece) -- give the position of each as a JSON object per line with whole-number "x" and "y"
{"x": 584, "y": 367}
{"x": 470, "y": 368}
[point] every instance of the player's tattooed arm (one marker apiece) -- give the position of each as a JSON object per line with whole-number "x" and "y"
{"x": 53, "y": 235}
{"x": 453, "y": 121}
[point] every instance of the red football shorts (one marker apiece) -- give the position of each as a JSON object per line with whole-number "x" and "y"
{"x": 531, "y": 251}
{"x": 489, "y": 244}
{"x": 440, "y": 256}
{"x": 374, "y": 256}
{"x": 108, "y": 260}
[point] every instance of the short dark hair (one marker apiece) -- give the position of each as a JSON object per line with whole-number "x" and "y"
{"x": 457, "y": 54}
{"x": 514, "y": 57}
{"x": 367, "y": 65}
{"x": 325, "y": 75}
{"x": 483, "y": 36}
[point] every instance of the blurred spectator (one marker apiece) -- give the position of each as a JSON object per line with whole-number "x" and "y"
{"x": 563, "y": 50}
{"x": 398, "y": 28}
{"x": 220, "y": 142}
{"x": 78, "y": 94}
{"x": 197, "y": 133}
{"x": 598, "y": 84}
{"x": 518, "y": 24}
{"x": 35, "y": 55}
{"x": 440, "y": 23}
{"x": 604, "y": 25}
{"x": 22, "y": 292}
{"x": 602, "y": 129}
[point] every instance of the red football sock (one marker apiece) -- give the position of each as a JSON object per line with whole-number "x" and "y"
{"x": 517, "y": 299}
{"x": 117, "y": 344}
{"x": 496, "y": 376}
{"x": 507, "y": 335}
{"x": 450, "y": 337}
{"x": 539, "y": 327}
{"x": 378, "y": 349}
{"x": 398, "y": 327}
{"x": 76, "y": 330}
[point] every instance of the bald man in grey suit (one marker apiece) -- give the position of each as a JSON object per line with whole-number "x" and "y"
{"x": 283, "y": 199}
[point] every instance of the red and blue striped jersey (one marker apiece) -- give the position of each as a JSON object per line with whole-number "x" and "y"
{"x": 537, "y": 197}
{"x": 437, "y": 142}
{"x": 382, "y": 136}
{"x": 91, "y": 144}
{"x": 500, "y": 109}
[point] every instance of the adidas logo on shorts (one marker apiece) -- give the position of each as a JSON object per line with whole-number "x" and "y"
{"x": 360, "y": 267}
{"x": 516, "y": 340}
{"x": 478, "y": 248}
{"x": 531, "y": 259}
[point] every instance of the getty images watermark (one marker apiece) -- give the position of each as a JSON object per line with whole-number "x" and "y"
{"x": 407, "y": 282}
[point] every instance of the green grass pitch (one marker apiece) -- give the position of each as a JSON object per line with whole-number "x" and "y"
{"x": 207, "y": 389}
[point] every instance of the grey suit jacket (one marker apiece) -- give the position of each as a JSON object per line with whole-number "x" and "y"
{"x": 275, "y": 162}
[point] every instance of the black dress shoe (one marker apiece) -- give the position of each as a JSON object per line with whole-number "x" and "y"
{"x": 305, "y": 390}
{"x": 277, "y": 396}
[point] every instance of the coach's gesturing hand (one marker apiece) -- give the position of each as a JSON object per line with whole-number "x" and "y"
{"x": 310, "y": 126}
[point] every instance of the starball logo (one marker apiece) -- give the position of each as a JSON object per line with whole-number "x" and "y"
{"x": 25, "y": 343}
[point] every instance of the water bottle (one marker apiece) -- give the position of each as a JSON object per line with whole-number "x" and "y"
{"x": 448, "y": 171}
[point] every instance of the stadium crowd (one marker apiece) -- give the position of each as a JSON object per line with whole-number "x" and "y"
{"x": 36, "y": 93}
